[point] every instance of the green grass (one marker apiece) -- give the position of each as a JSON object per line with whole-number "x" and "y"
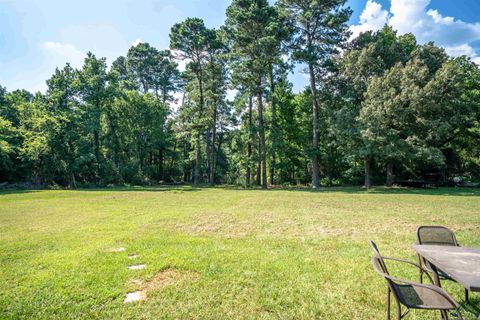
{"x": 277, "y": 254}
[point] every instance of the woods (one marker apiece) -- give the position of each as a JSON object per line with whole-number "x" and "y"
{"x": 379, "y": 109}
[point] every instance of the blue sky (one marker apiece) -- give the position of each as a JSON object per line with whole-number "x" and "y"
{"x": 37, "y": 36}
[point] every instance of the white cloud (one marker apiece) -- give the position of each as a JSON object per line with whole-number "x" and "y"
{"x": 373, "y": 17}
{"x": 136, "y": 42}
{"x": 182, "y": 63}
{"x": 463, "y": 50}
{"x": 427, "y": 25}
{"x": 52, "y": 54}
{"x": 408, "y": 15}
{"x": 438, "y": 18}
{"x": 62, "y": 53}
{"x": 102, "y": 39}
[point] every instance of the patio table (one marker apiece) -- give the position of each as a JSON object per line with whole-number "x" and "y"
{"x": 460, "y": 263}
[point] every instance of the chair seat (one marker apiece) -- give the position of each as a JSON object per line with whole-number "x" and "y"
{"x": 421, "y": 298}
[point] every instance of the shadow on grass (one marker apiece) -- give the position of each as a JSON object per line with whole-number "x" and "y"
{"x": 159, "y": 188}
{"x": 472, "y": 306}
{"x": 376, "y": 190}
{"x": 463, "y": 192}
{"x": 6, "y": 192}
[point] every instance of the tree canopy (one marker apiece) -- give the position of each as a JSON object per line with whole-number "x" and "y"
{"x": 379, "y": 109}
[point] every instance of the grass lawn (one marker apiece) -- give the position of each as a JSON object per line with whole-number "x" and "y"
{"x": 220, "y": 253}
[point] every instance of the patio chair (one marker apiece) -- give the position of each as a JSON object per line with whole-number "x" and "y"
{"x": 412, "y": 295}
{"x": 440, "y": 236}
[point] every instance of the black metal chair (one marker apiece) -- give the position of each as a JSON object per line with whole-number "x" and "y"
{"x": 439, "y": 236}
{"x": 412, "y": 295}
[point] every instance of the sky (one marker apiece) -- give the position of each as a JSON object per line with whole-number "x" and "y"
{"x": 38, "y": 36}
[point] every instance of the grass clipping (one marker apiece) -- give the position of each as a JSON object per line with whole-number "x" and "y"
{"x": 164, "y": 279}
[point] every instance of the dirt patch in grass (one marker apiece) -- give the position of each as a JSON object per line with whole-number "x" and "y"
{"x": 165, "y": 278}
{"x": 263, "y": 225}
{"x": 169, "y": 277}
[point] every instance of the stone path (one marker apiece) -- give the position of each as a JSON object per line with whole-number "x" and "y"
{"x": 137, "y": 267}
{"x": 136, "y": 295}
{"x": 133, "y": 297}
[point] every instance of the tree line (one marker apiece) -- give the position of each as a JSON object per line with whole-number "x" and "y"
{"x": 378, "y": 108}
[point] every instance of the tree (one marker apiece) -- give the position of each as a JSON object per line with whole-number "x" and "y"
{"x": 94, "y": 92}
{"x": 141, "y": 61}
{"x": 216, "y": 85}
{"x": 252, "y": 26}
{"x": 61, "y": 104}
{"x": 124, "y": 76}
{"x": 320, "y": 27}
{"x": 166, "y": 76}
{"x": 289, "y": 131}
{"x": 369, "y": 55}
{"x": 412, "y": 111}
{"x": 387, "y": 118}
{"x": 192, "y": 39}
{"x": 8, "y": 135}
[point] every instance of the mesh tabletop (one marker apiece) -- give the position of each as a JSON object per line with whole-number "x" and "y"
{"x": 460, "y": 263}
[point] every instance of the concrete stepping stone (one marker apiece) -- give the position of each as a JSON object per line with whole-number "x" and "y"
{"x": 137, "y": 267}
{"x": 133, "y": 256}
{"x": 120, "y": 249}
{"x": 133, "y": 297}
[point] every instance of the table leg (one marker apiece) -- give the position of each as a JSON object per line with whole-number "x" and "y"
{"x": 436, "y": 276}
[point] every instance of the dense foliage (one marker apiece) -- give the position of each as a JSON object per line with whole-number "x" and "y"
{"x": 380, "y": 108}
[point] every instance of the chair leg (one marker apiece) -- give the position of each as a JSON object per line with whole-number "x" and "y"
{"x": 444, "y": 314}
{"x": 388, "y": 303}
{"x": 420, "y": 270}
{"x": 466, "y": 295}
{"x": 399, "y": 311}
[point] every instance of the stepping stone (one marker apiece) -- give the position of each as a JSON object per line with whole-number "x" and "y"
{"x": 137, "y": 267}
{"x": 133, "y": 256}
{"x": 133, "y": 296}
{"x": 121, "y": 249}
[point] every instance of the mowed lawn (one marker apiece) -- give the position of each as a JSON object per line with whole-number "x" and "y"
{"x": 223, "y": 253}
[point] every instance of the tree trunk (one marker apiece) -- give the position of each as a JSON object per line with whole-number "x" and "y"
{"x": 315, "y": 157}
{"x": 164, "y": 96}
{"x": 196, "y": 171}
{"x": 390, "y": 176}
{"x": 250, "y": 137}
{"x": 367, "y": 165}
{"x": 273, "y": 126}
{"x": 172, "y": 161}
{"x": 96, "y": 142}
{"x": 259, "y": 168}
{"x": 219, "y": 147}
{"x": 185, "y": 167}
{"x": 208, "y": 154}
{"x": 261, "y": 130}
{"x": 160, "y": 164}
{"x": 73, "y": 183}
{"x": 272, "y": 169}
{"x": 213, "y": 150}
{"x": 247, "y": 176}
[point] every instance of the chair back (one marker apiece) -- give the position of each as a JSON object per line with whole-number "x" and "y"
{"x": 381, "y": 262}
{"x": 436, "y": 235}
{"x": 380, "y": 267}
